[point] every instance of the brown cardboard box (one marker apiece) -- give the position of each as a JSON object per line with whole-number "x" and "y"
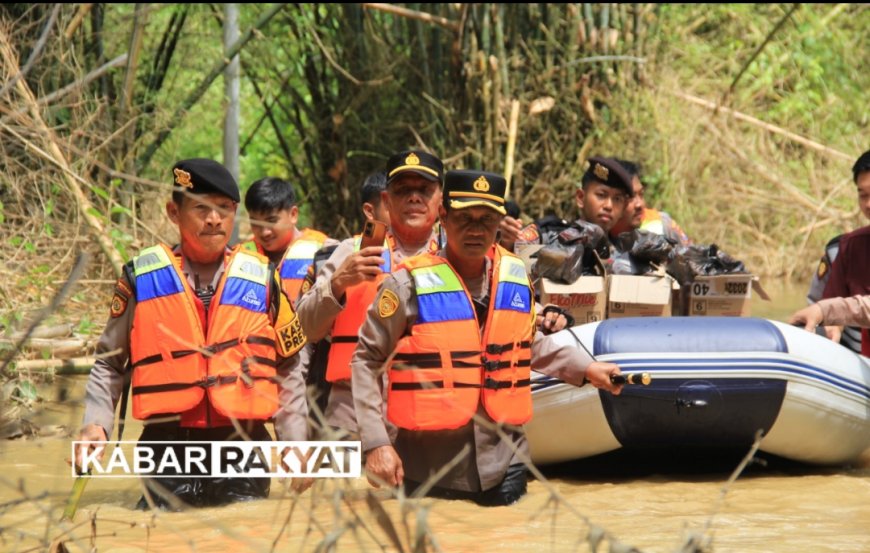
{"x": 721, "y": 295}
{"x": 584, "y": 299}
{"x": 639, "y": 296}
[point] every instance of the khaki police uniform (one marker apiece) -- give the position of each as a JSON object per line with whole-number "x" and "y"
{"x": 425, "y": 453}
{"x": 854, "y": 311}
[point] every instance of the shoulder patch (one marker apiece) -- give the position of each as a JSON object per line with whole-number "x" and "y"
{"x": 822, "y": 270}
{"x": 388, "y": 304}
{"x": 529, "y": 234}
{"x": 123, "y": 287}
{"x": 121, "y": 297}
{"x": 119, "y": 305}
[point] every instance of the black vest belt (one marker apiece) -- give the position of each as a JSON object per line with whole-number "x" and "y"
{"x": 491, "y": 384}
{"x": 410, "y": 361}
{"x": 495, "y": 349}
{"x": 498, "y": 365}
{"x": 207, "y": 382}
{"x": 408, "y": 386}
{"x": 213, "y": 348}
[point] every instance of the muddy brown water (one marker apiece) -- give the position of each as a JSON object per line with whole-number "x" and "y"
{"x": 653, "y": 504}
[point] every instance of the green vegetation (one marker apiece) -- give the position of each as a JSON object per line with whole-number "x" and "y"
{"x": 329, "y": 91}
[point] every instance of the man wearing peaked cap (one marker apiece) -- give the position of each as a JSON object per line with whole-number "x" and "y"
{"x": 209, "y": 340}
{"x": 456, "y": 333}
{"x": 414, "y": 161}
{"x": 344, "y": 287}
{"x": 475, "y": 188}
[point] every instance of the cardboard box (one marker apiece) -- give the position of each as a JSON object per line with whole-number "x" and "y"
{"x": 722, "y": 295}
{"x": 584, "y": 299}
{"x": 640, "y": 296}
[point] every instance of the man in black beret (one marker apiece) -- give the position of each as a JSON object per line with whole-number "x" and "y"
{"x": 602, "y": 195}
{"x": 208, "y": 340}
{"x": 455, "y": 330}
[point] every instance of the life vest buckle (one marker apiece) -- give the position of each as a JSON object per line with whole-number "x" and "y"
{"x": 209, "y": 381}
{"x": 490, "y": 365}
{"x": 494, "y": 349}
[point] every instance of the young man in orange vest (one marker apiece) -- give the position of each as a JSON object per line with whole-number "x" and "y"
{"x": 177, "y": 319}
{"x": 347, "y": 283}
{"x": 272, "y": 206}
{"x": 456, "y": 333}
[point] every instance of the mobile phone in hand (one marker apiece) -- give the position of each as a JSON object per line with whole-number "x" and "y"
{"x": 373, "y": 234}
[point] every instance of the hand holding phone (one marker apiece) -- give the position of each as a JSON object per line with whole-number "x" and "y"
{"x": 373, "y": 234}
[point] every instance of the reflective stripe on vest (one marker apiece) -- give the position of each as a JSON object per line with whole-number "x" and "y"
{"x": 437, "y": 374}
{"x": 175, "y": 363}
{"x": 652, "y": 221}
{"x": 345, "y": 328}
{"x": 297, "y": 259}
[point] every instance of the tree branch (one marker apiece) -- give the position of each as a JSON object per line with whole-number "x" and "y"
{"x": 215, "y": 72}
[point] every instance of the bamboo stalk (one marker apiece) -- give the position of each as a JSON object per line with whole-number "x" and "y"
{"x": 83, "y": 10}
{"x": 412, "y": 14}
{"x": 76, "y": 365}
{"x": 85, "y": 206}
{"x": 511, "y": 144}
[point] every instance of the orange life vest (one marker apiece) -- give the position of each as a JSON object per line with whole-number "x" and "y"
{"x": 176, "y": 362}
{"x": 358, "y": 298}
{"x": 652, "y": 221}
{"x": 345, "y": 328}
{"x": 442, "y": 371}
{"x": 297, "y": 259}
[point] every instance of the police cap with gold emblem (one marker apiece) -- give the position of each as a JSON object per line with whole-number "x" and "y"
{"x": 467, "y": 188}
{"x": 609, "y": 172}
{"x": 204, "y": 176}
{"x": 417, "y": 162}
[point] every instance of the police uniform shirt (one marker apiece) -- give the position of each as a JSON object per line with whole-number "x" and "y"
{"x": 424, "y": 453}
{"x": 318, "y": 308}
{"x": 846, "y": 311}
{"x": 106, "y": 379}
{"x": 849, "y": 272}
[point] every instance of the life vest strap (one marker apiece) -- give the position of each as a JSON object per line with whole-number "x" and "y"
{"x": 498, "y": 365}
{"x": 212, "y": 349}
{"x": 345, "y": 339}
{"x": 433, "y": 360}
{"x": 491, "y": 384}
{"x": 408, "y": 386}
{"x": 496, "y": 349}
{"x": 207, "y": 382}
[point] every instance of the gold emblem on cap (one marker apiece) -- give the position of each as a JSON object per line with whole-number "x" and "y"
{"x": 182, "y": 178}
{"x": 481, "y": 184}
{"x": 601, "y": 171}
{"x": 412, "y": 159}
{"x": 388, "y": 304}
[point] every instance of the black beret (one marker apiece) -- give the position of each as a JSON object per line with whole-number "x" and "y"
{"x": 610, "y": 172}
{"x": 468, "y": 188}
{"x": 415, "y": 161}
{"x": 205, "y": 176}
